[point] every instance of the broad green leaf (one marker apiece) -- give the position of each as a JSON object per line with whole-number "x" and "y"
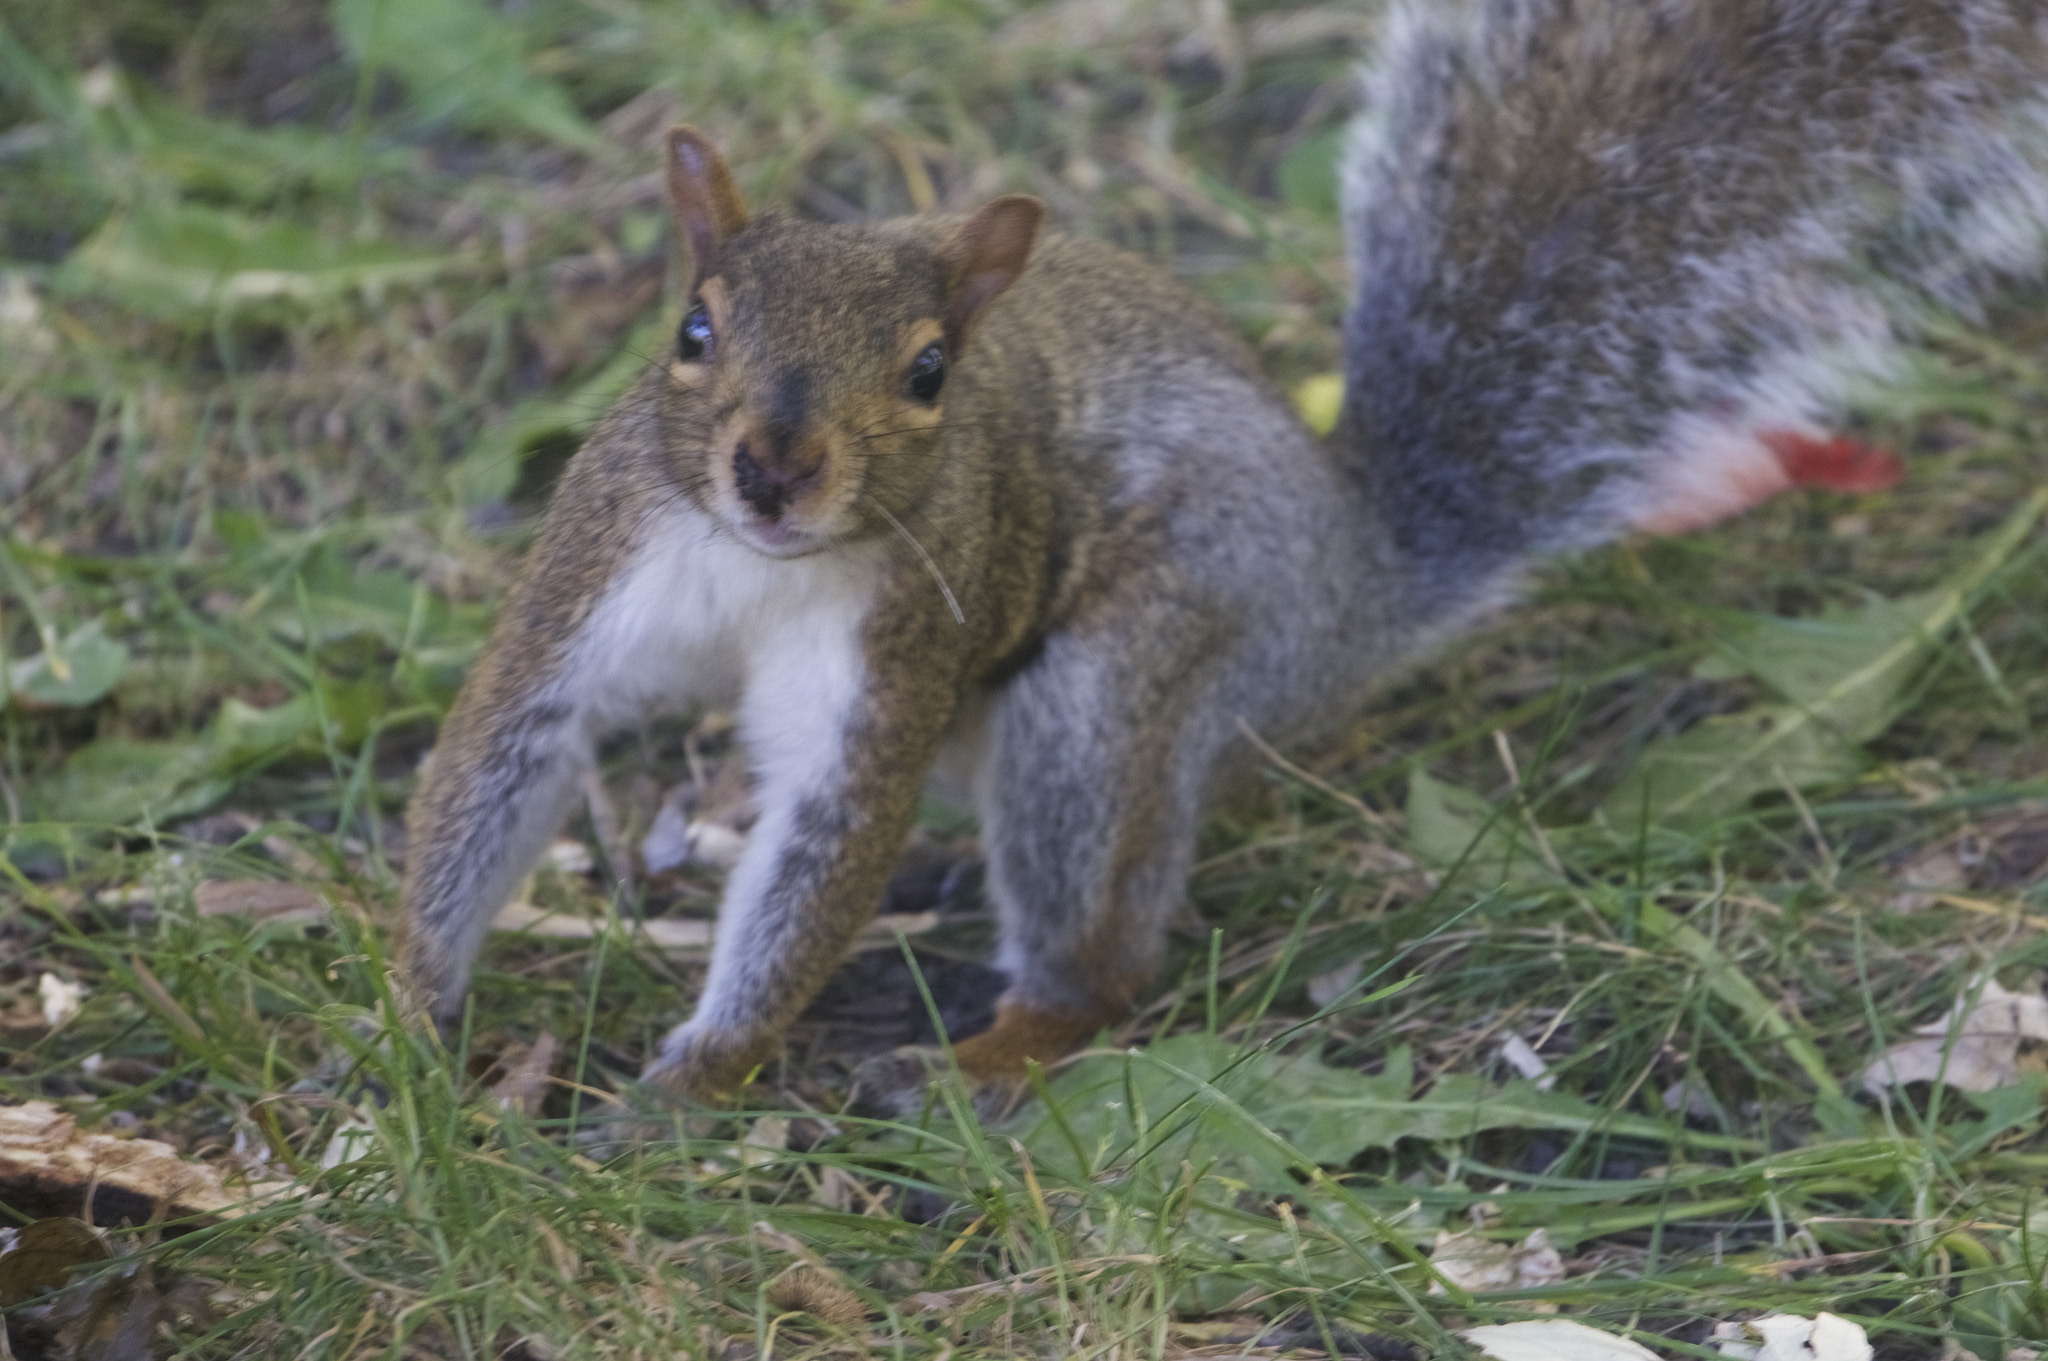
{"x": 242, "y": 735}
{"x": 1718, "y": 765}
{"x": 86, "y": 666}
{"x": 461, "y": 61}
{"x": 1454, "y": 827}
{"x": 1320, "y": 1114}
{"x": 174, "y": 260}
{"x": 1844, "y": 677}
{"x": 1806, "y": 660}
{"x": 120, "y": 782}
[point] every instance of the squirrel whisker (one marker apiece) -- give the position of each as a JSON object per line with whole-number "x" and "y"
{"x": 959, "y": 616}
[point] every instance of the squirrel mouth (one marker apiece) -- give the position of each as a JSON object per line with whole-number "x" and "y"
{"x": 773, "y": 534}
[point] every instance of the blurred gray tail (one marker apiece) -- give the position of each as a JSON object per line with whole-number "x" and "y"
{"x": 1602, "y": 246}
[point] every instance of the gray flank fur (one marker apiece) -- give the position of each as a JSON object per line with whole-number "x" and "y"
{"x": 1590, "y": 236}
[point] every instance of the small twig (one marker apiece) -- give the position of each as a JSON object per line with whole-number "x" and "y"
{"x": 1315, "y": 782}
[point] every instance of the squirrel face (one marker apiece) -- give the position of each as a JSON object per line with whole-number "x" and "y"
{"x": 803, "y": 419}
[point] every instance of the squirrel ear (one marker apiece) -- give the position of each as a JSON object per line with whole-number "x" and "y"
{"x": 701, "y": 194}
{"x": 985, "y": 255}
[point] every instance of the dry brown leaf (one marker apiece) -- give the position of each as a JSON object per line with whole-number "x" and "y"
{"x": 685, "y": 935}
{"x": 1973, "y": 1052}
{"x": 526, "y": 1082}
{"x": 43, "y": 1254}
{"x": 1474, "y": 1262}
{"x": 1554, "y": 1340}
{"x": 1789, "y": 1337}
{"x": 46, "y": 1160}
{"x": 265, "y": 900}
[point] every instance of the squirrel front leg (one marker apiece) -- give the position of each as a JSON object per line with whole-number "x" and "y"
{"x": 508, "y": 757}
{"x": 841, "y": 739}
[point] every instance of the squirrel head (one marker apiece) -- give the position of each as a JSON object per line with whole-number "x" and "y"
{"x": 808, "y": 387}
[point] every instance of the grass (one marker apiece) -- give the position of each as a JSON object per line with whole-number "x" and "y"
{"x": 301, "y": 308}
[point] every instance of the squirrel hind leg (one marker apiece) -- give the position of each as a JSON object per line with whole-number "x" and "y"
{"x": 1096, "y": 762}
{"x": 1727, "y": 472}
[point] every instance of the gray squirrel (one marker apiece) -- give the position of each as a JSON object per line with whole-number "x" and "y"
{"x": 956, "y": 492}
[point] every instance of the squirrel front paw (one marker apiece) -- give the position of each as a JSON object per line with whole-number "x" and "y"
{"x": 698, "y": 1068}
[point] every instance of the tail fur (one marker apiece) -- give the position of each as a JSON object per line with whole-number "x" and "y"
{"x": 1612, "y": 254}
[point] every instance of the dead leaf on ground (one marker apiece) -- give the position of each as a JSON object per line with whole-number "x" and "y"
{"x": 681, "y": 935}
{"x": 43, "y": 1254}
{"x": 263, "y": 900}
{"x": 1926, "y": 878}
{"x": 526, "y": 1081}
{"x": 1555, "y": 1339}
{"x": 60, "y": 997}
{"x": 1789, "y": 1337}
{"x": 702, "y": 824}
{"x": 116, "y": 1320}
{"x": 1474, "y": 1262}
{"x": 1973, "y": 1052}
{"x": 46, "y": 1160}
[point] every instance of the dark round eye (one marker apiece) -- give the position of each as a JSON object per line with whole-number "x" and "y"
{"x": 928, "y": 373}
{"x": 693, "y": 337}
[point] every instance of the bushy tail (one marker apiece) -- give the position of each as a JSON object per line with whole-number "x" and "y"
{"x": 1612, "y": 255}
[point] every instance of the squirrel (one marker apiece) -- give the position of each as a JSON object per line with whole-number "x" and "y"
{"x": 961, "y": 491}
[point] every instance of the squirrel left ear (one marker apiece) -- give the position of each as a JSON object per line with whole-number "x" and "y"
{"x": 701, "y": 194}
{"x": 984, "y": 256}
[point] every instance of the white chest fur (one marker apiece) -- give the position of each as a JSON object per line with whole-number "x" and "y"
{"x": 698, "y": 618}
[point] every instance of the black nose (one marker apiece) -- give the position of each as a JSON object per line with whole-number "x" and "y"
{"x": 760, "y": 488}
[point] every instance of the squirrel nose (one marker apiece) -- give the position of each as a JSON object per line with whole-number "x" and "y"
{"x": 769, "y": 485}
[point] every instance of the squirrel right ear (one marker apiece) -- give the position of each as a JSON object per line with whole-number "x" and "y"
{"x": 701, "y": 194}
{"x": 985, "y": 255}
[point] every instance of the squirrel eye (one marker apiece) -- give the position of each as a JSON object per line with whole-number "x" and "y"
{"x": 927, "y": 373}
{"x": 693, "y": 337}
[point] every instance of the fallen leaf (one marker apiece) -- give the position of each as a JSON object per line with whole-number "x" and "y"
{"x": 44, "y": 1158}
{"x": 569, "y": 856}
{"x": 1474, "y": 1262}
{"x": 702, "y": 827}
{"x": 118, "y": 1320}
{"x": 1555, "y": 1339}
{"x": 680, "y": 934}
{"x": 1521, "y": 1056}
{"x": 353, "y": 1138}
{"x": 1790, "y": 1337}
{"x": 262, "y": 899}
{"x": 1977, "y": 1051}
{"x": 43, "y": 1254}
{"x": 526, "y": 1081}
{"x": 60, "y": 999}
